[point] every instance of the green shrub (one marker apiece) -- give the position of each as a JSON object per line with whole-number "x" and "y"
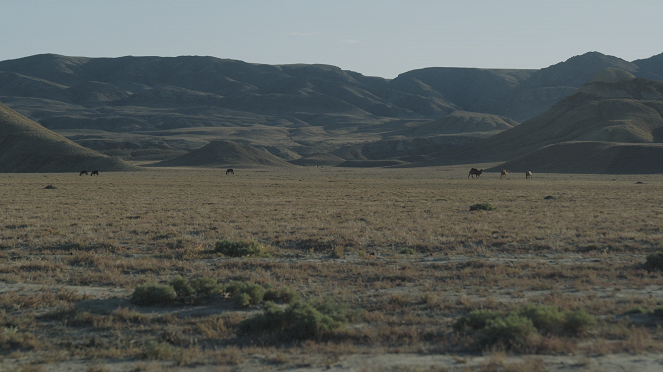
{"x": 512, "y": 331}
{"x": 204, "y": 286}
{"x": 475, "y": 320}
{"x": 654, "y": 261}
{"x": 546, "y": 319}
{"x": 482, "y": 207}
{"x": 636, "y": 310}
{"x": 245, "y": 293}
{"x": 233, "y": 248}
{"x": 578, "y": 321}
{"x": 181, "y": 286}
{"x": 407, "y": 250}
{"x": 288, "y": 295}
{"x": 298, "y": 321}
{"x": 242, "y": 299}
{"x": 658, "y": 312}
{"x": 152, "y": 294}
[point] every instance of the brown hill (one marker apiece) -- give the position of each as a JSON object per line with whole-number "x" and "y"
{"x": 463, "y": 122}
{"x": 627, "y": 110}
{"x": 27, "y": 147}
{"x": 225, "y": 154}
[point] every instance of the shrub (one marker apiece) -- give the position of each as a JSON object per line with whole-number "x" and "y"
{"x": 152, "y": 294}
{"x": 181, "y": 286}
{"x": 578, "y": 321}
{"x": 245, "y": 293}
{"x": 475, "y": 320}
{"x": 546, "y": 319}
{"x": 654, "y": 261}
{"x": 204, "y": 286}
{"x": 636, "y": 310}
{"x": 407, "y": 250}
{"x": 299, "y": 321}
{"x": 482, "y": 207}
{"x": 658, "y": 312}
{"x": 233, "y": 248}
{"x": 512, "y": 331}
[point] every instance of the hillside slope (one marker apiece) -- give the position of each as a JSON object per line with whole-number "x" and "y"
{"x": 27, "y": 147}
{"x": 225, "y": 154}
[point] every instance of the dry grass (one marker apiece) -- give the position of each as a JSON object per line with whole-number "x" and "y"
{"x": 335, "y": 233}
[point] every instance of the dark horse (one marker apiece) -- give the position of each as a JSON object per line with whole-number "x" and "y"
{"x": 475, "y": 172}
{"x": 83, "y": 172}
{"x": 230, "y": 171}
{"x": 94, "y": 173}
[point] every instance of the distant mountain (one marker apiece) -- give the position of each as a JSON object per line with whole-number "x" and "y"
{"x": 225, "y": 154}
{"x": 613, "y": 109}
{"x": 160, "y": 107}
{"x": 27, "y": 147}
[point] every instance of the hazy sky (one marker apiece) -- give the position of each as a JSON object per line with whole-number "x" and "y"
{"x": 373, "y": 37}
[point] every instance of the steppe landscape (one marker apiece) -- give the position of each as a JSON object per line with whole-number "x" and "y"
{"x": 350, "y": 235}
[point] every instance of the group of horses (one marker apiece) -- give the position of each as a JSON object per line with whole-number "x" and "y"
{"x": 93, "y": 173}
{"x": 477, "y": 172}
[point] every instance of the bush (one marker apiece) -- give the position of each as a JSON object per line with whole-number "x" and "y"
{"x": 245, "y": 293}
{"x": 233, "y": 248}
{"x": 475, "y": 320}
{"x": 204, "y": 286}
{"x": 407, "y": 251}
{"x": 546, "y": 319}
{"x": 654, "y": 261}
{"x": 512, "y": 331}
{"x": 578, "y": 321}
{"x": 152, "y": 294}
{"x": 181, "y": 286}
{"x": 299, "y": 321}
{"x": 482, "y": 207}
{"x": 658, "y": 312}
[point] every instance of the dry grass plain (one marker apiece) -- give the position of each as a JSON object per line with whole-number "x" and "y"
{"x": 70, "y": 258}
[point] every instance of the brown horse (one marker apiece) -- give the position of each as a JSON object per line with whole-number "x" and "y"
{"x": 94, "y": 173}
{"x": 504, "y": 173}
{"x": 83, "y": 172}
{"x": 230, "y": 171}
{"x": 475, "y": 172}
{"x": 528, "y": 175}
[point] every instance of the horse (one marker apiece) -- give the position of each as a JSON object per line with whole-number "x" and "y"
{"x": 504, "y": 173}
{"x": 475, "y": 172}
{"x": 230, "y": 171}
{"x": 528, "y": 175}
{"x": 94, "y": 173}
{"x": 83, "y": 172}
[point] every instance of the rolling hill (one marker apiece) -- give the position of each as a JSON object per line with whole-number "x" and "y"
{"x": 27, "y": 147}
{"x": 607, "y": 118}
{"x": 158, "y": 108}
{"x": 225, "y": 154}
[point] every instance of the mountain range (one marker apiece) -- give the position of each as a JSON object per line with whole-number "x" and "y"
{"x": 161, "y": 108}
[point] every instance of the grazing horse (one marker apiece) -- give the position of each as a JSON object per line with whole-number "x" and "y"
{"x": 475, "y": 172}
{"x": 230, "y": 171}
{"x": 83, "y": 172}
{"x": 528, "y": 175}
{"x": 504, "y": 173}
{"x": 94, "y": 173}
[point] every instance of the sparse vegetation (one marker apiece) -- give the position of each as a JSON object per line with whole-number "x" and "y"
{"x": 654, "y": 261}
{"x": 123, "y": 236}
{"x": 482, "y": 207}
{"x": 153, "y": 294}
{"x": 233, "y": 248}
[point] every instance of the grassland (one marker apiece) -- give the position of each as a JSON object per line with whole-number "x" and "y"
{"x": 400, "y": 247}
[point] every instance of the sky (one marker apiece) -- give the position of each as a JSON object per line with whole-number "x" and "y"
{"x": 373, "y": 37}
